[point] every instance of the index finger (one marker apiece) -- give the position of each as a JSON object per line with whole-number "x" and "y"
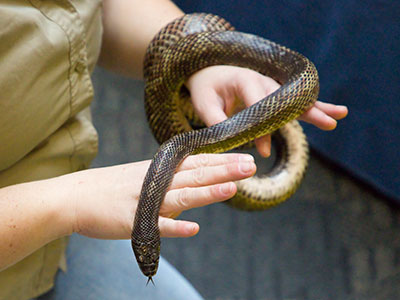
{"x": 208, "y": 160}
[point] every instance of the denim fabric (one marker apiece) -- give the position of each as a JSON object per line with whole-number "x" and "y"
{"x": 100, "y": 269}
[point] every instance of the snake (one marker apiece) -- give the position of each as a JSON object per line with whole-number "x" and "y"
{"x": 181, "y": 48}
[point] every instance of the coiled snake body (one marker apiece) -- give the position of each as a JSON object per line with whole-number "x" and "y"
{"x": 183, "y": 47}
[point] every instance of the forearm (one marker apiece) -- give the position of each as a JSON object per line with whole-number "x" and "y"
{"x": 31, "y": 215}
{"x": 129, "y": 26}
{"x": 101, "y": 202}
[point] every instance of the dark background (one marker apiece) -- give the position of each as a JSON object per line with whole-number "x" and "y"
{"x": 314, "y": 246}
{"x": 356, "y": 48}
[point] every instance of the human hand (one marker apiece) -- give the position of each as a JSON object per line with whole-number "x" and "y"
{"x": 103, "y": 201}
{"x": 220, "y": 91}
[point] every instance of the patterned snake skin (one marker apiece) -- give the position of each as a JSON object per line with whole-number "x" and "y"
{"x": 180, "y": 49}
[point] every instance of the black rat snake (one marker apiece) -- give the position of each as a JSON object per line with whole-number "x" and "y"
{"x": 183, "y": 47}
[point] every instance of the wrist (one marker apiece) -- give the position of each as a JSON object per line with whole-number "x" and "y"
{"x": 60, "y": 208}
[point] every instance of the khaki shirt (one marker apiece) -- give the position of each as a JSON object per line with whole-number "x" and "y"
{"x": 48, "y": 50}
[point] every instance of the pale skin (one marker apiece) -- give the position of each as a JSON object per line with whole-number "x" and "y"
{"x": 101, "y": 203}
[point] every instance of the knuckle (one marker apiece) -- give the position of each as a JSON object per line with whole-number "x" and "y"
{"x": 183, "y": 198}
{"x": 198, "y": 176}
{"x": 203, "y": 160}
{"x": 250, "y": 76}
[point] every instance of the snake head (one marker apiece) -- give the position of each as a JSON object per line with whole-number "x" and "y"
{"x": 147, "y": 256}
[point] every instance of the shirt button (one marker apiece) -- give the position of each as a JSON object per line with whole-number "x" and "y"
{"x": 80, "y": 65}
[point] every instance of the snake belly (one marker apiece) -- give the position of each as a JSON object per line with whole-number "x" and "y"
{"x": 183, "y": 47}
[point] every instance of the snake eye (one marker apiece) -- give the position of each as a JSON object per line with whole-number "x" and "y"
{"x": 141, "y": 258}
{"x": 154, "y": 257}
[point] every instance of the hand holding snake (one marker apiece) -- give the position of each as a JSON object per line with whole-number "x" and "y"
{"x": 180, "y": 49}
{"x": 214, "y": 90}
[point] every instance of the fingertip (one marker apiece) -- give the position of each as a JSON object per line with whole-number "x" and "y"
{"x": 227, "y": 190}
{"x": 320, "y": 118}
{"x": 247, "y": 168}
{"x": 337, "y": 112}
{"x": 188, "y": 229}
{"x": 264, "y": 150}
{"x": 245, "y": 157}
{"x": 177, "y": 228}
{"x": 344, "y": 111}
{"x": 330, "y": 124}
{"x": 263, "y": 146}
{"x": 192, "y": 228}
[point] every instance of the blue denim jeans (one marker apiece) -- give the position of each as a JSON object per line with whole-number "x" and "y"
{"x": 100, "y": 269}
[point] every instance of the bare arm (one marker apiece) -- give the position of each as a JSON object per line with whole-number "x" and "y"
{"x": 101, "y": 203}
{"x": 30, "y": 216}
{"x": 129, "y": 26}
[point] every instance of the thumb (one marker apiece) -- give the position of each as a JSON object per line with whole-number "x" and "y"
{"x": 177, "y": 228}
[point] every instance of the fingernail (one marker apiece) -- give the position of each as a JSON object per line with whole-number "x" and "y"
{"x": 246, "y": 158}
{"x": 226, "y": 189}
{"x": 246, "y": 167}
{"x": 191, "y": 228}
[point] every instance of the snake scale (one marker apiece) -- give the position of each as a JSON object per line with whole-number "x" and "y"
{"x": 183, "y": 47}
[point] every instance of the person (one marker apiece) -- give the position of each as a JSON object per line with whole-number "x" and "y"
{"x": 48, "y": 51}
